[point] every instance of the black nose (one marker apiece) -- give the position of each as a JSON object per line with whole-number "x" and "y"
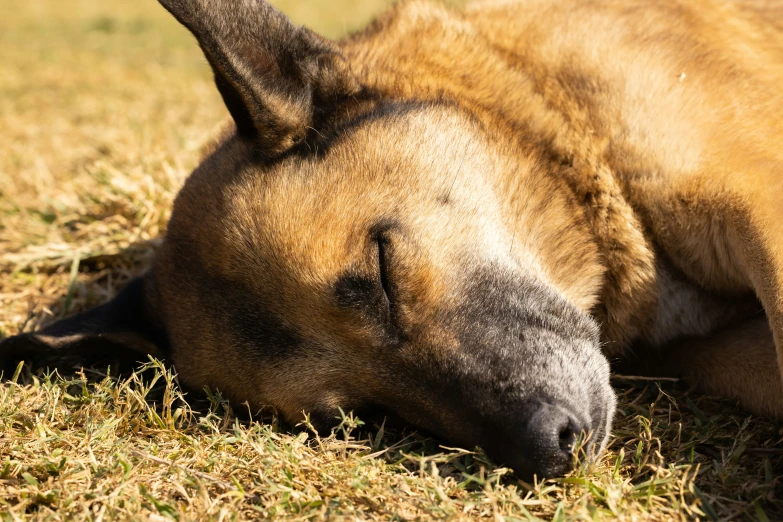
{"x": 544, "y": 443}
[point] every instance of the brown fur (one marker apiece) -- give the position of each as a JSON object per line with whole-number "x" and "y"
{"x": 662, "y": 118}
{"x": 623, "y": 153}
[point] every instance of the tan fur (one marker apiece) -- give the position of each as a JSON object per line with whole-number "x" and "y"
{"x": 635, "y": 144}
{"x": 736, "y": 362}
{"x": 663, "y": 119}
{"x": 623, "y": 154}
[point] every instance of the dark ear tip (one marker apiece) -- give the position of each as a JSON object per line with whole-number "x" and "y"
{"x": 29, "y": 346}
{"x": 14, "y": 349}
{"x": 9, "y": 344}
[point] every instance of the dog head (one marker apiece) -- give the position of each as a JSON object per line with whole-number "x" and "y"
{"x": 340, "y": 249}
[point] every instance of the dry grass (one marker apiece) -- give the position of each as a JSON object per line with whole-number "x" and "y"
{"x": 103, "y": 107}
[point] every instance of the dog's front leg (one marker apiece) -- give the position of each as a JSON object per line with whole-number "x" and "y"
{"x": 738, "y": 362}
{"x": 721, "y": 227}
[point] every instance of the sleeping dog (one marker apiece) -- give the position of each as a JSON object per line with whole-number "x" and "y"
{"x": 459, "y": 216}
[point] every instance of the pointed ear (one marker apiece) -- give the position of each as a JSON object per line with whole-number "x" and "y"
{"x": 122, "y": 328}
{"x": 272, "y": 75}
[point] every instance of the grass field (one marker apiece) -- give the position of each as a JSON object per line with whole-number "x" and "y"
{"x": 103, "y": 109}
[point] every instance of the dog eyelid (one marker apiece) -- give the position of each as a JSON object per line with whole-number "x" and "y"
{"x": 383, "y": 267}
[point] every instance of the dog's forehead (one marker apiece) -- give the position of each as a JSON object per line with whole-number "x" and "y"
{"x": 415, "y": 169}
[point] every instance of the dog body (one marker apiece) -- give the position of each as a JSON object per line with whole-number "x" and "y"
{"x": 447, "y": 215}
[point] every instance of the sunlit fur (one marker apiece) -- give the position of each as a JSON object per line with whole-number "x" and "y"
{"x": 545, "y": 174}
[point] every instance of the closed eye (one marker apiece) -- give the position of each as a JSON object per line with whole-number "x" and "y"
{"x": 371, "y": 291}
{"x": 383, "y": 268}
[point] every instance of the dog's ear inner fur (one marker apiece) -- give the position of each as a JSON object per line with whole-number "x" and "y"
{"x": 122, "y": 328}
{"x": 272, "y": 75}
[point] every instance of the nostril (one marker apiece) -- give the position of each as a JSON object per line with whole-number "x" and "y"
{"x": 567, "y": 438}
{"x": 569, "y": 434}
